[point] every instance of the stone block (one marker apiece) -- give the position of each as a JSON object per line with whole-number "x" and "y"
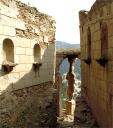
{"x": 17, "y": 59}
{"x": 9, "y": 31}
{"x": 29, "y": 51}
{"x": 29, "y": 67}
{"x": 20, "y": 68}
{"x": 20, "y": 51}
{"x": 70, "y": 107}
{"x": 22, "y": 59}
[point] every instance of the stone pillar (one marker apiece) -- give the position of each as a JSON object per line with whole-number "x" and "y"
{"x": 70, "y": 102}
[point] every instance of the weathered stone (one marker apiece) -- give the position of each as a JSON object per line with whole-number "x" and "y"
{"x": 27, "y": 96}
{"x": 97, "y": 77}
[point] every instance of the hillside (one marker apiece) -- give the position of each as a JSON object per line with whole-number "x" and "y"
{"x": 61, "y": 44}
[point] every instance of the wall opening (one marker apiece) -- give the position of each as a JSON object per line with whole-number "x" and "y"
{"x": 8, "y": 50}
{"x": 104, "y": 40}
{"x": 37, "y": 53}
{"x": 64, "y": 68}
{"x": 89, "y": 43}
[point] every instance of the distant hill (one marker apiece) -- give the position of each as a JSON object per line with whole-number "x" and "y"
{"x": 61, "y": 44}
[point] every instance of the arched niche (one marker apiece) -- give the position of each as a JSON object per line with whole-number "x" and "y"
{"x": 89, "y": 42}
{"x": 37, "y": 58}
{"x": 87, "y": 60}
{"x": 8, "y": 50}
{"x": 104, "y": 40}
{"x": 37, "y": 53}
{"x": 104, "y": 44}
{"x": 8, "y": 55}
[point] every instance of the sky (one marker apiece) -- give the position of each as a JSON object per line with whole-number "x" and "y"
{"x": 65, "y": 12}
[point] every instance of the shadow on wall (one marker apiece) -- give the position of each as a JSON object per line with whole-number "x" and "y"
{"x": 31, "y": 73}
{"x": 32, "y": 106}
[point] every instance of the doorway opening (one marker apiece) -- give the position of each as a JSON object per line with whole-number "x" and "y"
{"x": 64, "y": 70}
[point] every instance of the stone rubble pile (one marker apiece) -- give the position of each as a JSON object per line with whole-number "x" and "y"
{"x": 83, "y": 117}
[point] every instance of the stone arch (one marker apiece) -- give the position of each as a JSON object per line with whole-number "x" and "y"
{"x": 58, "y": 63}
{"x": 89, "y": 43}
{"x": 37, "y": 53}
{"x": 60, "y": 56}
{"x": 8, "y": 50}
{"x": 104, "y": 39}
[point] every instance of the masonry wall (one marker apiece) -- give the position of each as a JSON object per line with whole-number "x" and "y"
{"x": 97, "y": 79}
{"x": 23, "y": 80}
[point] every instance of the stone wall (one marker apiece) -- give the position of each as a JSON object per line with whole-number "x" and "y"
{"x": 97, "y": 71}
{"x": 25, "y": 27}
{"x": 27, "y": 66}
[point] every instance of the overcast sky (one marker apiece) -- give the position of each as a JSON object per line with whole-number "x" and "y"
{"x": 65, "y": 13}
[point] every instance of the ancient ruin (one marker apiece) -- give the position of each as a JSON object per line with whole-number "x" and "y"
{"x": 71, "y": 54}
{"x": 96, "y": 31}
{"x": 27, "y": 67}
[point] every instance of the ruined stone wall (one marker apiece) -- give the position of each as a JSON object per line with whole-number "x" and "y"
{"x": 27, "y": 66}
{"x": 25, "y": 27}
{"x": 97, "y": 71}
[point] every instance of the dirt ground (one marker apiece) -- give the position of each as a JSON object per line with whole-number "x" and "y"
{"x": 82, "y": 118}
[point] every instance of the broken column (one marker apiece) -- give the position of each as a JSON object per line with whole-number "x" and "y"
{"x": 70, "y": 102}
